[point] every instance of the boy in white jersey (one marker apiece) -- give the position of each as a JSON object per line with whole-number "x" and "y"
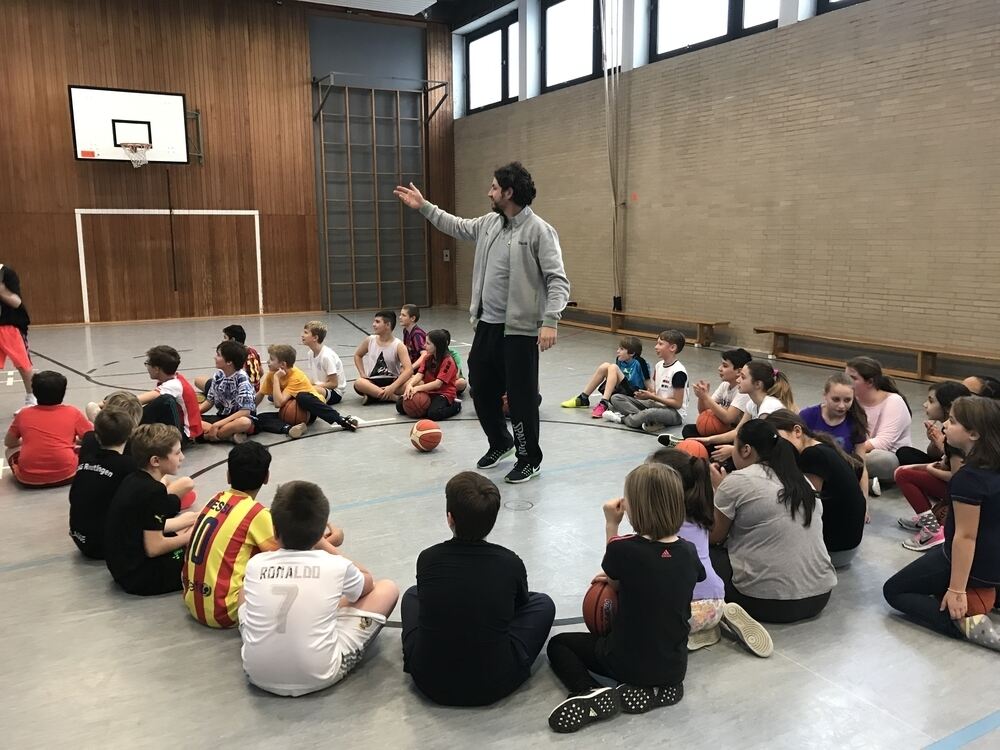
{"x": 323, "y": 365}
{"x": 382, "y": 362}
{"x": 306, "y": 616}
{"x": 667, "y": 405}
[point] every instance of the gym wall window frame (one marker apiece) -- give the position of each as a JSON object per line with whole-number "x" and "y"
{"x": 503, "y": 26}
{"x": 595, "y": 42}
{"x": 734, "y": 30}
{"x": 825, "y": 6}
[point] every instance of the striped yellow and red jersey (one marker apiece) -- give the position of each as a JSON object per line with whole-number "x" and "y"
{"x": 231, "y": 529}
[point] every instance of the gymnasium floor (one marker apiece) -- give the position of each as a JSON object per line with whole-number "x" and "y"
{"x": 85, "y": 663}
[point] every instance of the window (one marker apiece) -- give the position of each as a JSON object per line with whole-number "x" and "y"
{"x": 824, "y": 6}
{"x": 756, "y": 12}
{"x": 492, "y": 65}
{"x": 681, "y": 25}
{"x": 513, "y": 60}
{"x": 569, "y": 41}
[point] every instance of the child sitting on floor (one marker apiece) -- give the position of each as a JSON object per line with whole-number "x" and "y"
{"x": 42, "y": 440}
{"x": 628, "y": 374}
{"x": 716, "y": 411}
{"x": 413, "y": 335}
{"x": 382, "y": 362}
{"x": 98, "y": 477}
{"x": 323, "y": 364}
{"x": 253, "y": 367}
{"x": 650, "y": 410}
{"x": 431, "y": 391}
{"x": 231, "y": 393}
{"x": 471, "y": 627}
{"x": 654, "y": 572}
{"x": 140, "y": 555}
{"x": 306, "y": 616}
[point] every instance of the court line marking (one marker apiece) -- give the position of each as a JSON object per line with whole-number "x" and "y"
{"x": 967, "y": 734}
{"x": 81, "y": 212}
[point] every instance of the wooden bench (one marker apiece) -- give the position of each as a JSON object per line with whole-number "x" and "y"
{"x": 616, "y": 322}
{"x": 927, "y": 356}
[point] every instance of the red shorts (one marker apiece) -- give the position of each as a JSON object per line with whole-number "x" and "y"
{"x": 14, "y": 344}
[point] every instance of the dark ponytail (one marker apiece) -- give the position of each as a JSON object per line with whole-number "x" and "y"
{"x": 946, "y": 393}
{"x": 778, "y": 454}
{"x": 871, "y": 370}
{"x": 441, "y": 338}
{"x": 699, "y": 497}
{"x": 786, "y": 420}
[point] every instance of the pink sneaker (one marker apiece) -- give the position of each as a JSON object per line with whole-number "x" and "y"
{"x": 927, "y": 538}
{"x": 598, "y": 411}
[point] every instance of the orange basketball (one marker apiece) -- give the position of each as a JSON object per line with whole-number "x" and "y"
{"x": 981, "y": 601}
{"x": 693, "y": 448}
{"x": 425, "y": 435}
{"x": 417, "y": 406}
{"x": 599, "y": 607}
{"x": 292, "y": 413}
{"x": 709, "y": 424}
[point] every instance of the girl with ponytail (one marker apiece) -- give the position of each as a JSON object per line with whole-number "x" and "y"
{"x": 762, "y": 391}
{"x": 889, "y": 416}
{"x": 708, "y": 605}
{"x": 834, "y": 474}
{"x": 775, "y": 564}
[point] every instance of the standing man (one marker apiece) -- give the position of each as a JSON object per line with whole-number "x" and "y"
{"x": 519, "y": 290}
{"x": 14, "y": 323}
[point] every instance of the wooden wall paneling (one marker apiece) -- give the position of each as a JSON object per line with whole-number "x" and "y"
{"x": 440, "y": 155}
{"x": 130, "y": 275}
{"x": 216, "y": 264}
{"x": 243, "y": 63}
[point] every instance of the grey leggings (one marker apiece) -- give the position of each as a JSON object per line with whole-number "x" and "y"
{"x": 882, "y": 465}
{"x": 639, "y": 411}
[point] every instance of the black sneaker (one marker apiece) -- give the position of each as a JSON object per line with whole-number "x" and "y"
{"x": 522, "y": 472}
{"x": 639, "y": 700}
{"x": 349, "y": 423}
{"x": 494, "y": 456}
{"x": 578, "y": 711}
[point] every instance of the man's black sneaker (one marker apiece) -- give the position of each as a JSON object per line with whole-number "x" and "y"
{"x": 494, "y": 456}
{"x": 522, "y": 472}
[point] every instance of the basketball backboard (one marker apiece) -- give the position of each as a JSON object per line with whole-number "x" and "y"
{"x": 105, "y": 118}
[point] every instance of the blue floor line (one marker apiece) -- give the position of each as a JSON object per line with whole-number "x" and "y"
{"x": 967, "y": 734}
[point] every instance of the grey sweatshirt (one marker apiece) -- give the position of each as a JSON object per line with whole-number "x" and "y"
{"x": 538, "y": 290}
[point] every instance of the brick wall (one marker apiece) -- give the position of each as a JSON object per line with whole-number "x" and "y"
{"x": 840, "y": 175}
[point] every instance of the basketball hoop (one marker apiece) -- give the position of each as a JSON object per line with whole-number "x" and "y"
{"x": 137, "y": 153}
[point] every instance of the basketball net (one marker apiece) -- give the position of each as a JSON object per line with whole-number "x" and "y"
{"x": 137, "y": 153}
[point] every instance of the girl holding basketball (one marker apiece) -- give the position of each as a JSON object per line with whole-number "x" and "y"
{"x": 709, "y": 607}
{"x": 654, "y": 572}
{"x": 431, "y": 391}
{"x": 952, "y": 588}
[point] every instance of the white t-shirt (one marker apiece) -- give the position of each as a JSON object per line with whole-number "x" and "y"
{"x": 320, "y": 366}
{"x": 667, "y": 379}
{"x": 382, "y": 360}
{"x": 288, "y": 620}
{"x": 745, "y": 404}
{"x": 726, "y": 394}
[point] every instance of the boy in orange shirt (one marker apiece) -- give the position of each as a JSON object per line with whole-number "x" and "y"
{"x": 283, "y": 382}
{"x": 42, "y": 440}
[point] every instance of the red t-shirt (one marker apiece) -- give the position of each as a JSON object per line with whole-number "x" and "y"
{"x": 447, "y": 372}
{"x": 48, "y": 442}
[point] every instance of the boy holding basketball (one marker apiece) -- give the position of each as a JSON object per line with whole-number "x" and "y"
{"x": 471, "y": 627}
{"x": 14, "y": 322}
{"x": 307, "y": 617}
{"x": 718, "y": 412}
{"x": 230, "y": 392}
{"x": 285, "y": 383}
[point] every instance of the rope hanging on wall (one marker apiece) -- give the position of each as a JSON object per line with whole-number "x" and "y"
{"x": 614, "y": 117}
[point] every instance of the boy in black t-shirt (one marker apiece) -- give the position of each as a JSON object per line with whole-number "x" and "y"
{"x": 139, "y": 554}
{"x": 98, "y": 476}
{"x": 471, "y": 628}
{"x": 654, "y": 572}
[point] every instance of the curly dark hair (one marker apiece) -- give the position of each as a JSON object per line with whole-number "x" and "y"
{"x": 515, "y": 176}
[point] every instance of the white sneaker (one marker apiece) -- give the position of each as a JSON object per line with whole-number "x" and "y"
{"x": 612, "y": 416}
{"x": 704, "y": 638}
{"x": 240, "y": 437}
{"x": 298, "y": 430}
{"x": 92, "y": 410}
{"x": 876, "y": 487}
{"x": 739, "y": 624}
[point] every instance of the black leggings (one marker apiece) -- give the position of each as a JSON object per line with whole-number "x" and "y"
{"x": 765, "y": 610}
{"x": 908, "y": 456}
{"x": 573, "y": 656}
{"x": 917, "y": 591}
{"x": 440, "y": 408}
